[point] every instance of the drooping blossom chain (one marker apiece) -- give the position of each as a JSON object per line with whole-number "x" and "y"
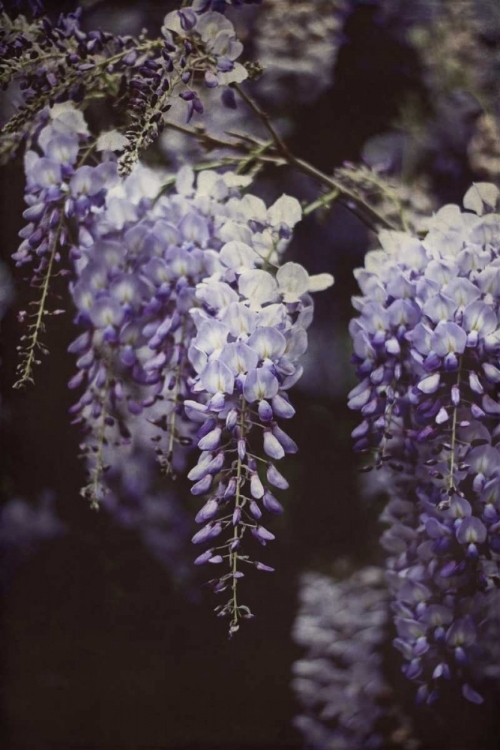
{"x": 426, "y": 348}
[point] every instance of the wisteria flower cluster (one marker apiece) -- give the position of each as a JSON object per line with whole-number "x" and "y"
{"x": 60, "y": 191}
{"x": 426, "y": 348}
{"x": 190, "y": 321}
{"x": 197, "y": 43}
{"x": 251, "y": 330}
{"x": 298, "y": 45}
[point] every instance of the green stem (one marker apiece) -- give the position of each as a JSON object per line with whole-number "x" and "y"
{"x": 353, "y": 202}
{"x": 97, "y": 472}
{"x": 453, "y": 441}
{"x": 173, "y": 414}
{"x": 253, "y": 156}
{"x": 38, "y": 327}
{"x": 264, "y": 117}
{"x": 322, "y": 202}
{"x": 233, "y": 556}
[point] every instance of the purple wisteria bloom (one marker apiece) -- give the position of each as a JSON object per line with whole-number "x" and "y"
{"x": 426, "y": 348}
{"x": 251, "y": 331}
{"x": 62, "y": 196}
{"x": 181, "y": 314}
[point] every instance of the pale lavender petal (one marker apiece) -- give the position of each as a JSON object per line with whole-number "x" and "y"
{"x": 271, "y": 504}
{"x": 239, "y": 357}
{"x": 448, "y": 338}
{"x": 282, "y": 407}
{"x": 275, "y": 478}
{"x": 430, "y": 383}
{"x": 217, "y": 378}
{"x": 210, "y": 531}
{"x": 260, "y": 384}
{"x": 209, "y": 510}
{"x": 267, "y": 342}
{"x": 471, "y": 530}
{"x": 272, "y": 446}
{"x": 239, "y": 319}
{"x": 212, "y": 336}
{"x": 211, "y": 441}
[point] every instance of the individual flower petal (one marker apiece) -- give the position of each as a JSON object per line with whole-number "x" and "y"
{"x": 210, "y": 531}
{"x": 267, "y": 342}
{"x": 430, "y": 383}
{"x": 479, "y": 195}
{"x": 471, "y": 530}
{"x": 258, "y": 287}
{"x": 320, "y": 281}
{"x": 286, "y": 210}
{"x": 272, "y": 446}
{"x": 238, "y": 255}
{"x": 211, "y": 440}
{"x": 293, "y": 281}
{"x": 106, "y": 311}
{"x": 260, "y": 384}
{"x": 239, "y": 357}
{"x": 448, "y": 338}
{"x": 212, "y": 336}
{"x": 217, "y": 378}
{"x": 282, "y": 407}
{"x": 239, "y": 319}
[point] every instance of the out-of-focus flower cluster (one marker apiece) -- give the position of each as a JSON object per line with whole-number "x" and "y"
{"x": 138, "y": 500}
{"x": 484, "y": 149}
{"x": 24, "y": 528}
{"x": 297, "y": 44}
{"x": 346, "y": 701}
{"x": 6, "y": 290}
{"x": 459, "y": 44}
{"x": 426, "y": 348}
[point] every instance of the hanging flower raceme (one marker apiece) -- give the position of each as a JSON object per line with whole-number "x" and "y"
{"x": 135, "y": 288}
{"x": 426, "y": 347}
{"x": 61, "y": 194}
{"x": 179, "y": 313}
{"x": 251, "y": 332}
{"x": 162, "y": 287}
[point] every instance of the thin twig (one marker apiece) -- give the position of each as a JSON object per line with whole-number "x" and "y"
{"x": 322, "y": 202}
{"x": 353, "y": 202}
{"x": 264, "y": 117}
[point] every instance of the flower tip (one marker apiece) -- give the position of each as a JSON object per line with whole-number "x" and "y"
{"x": 320, "y": 281}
